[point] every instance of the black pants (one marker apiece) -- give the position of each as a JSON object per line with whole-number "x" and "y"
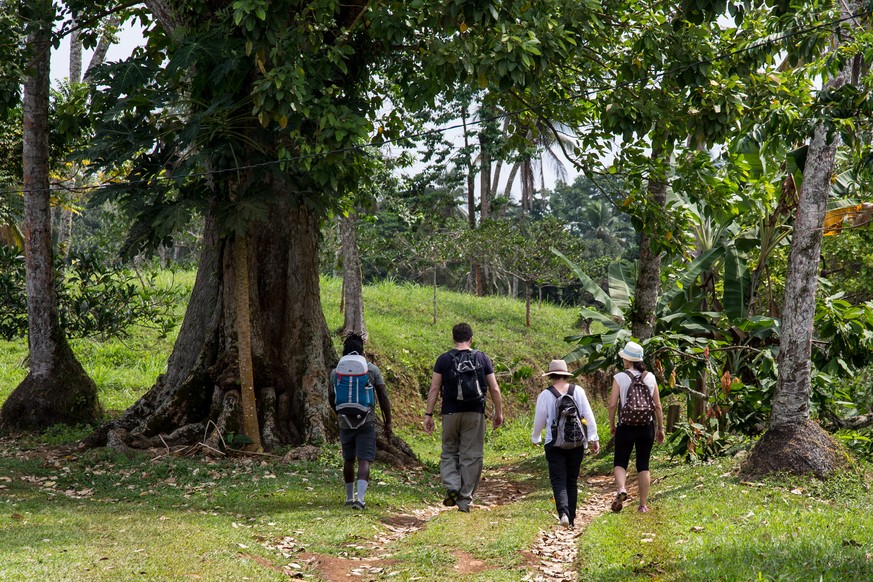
{"x": 628, "y": 437}
{"x": 563, "y": 473}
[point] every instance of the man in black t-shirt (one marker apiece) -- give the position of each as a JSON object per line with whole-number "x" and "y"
{"x": 463, "y": 436}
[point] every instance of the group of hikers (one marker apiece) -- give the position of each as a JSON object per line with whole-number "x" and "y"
{"x": 463, "y": 379}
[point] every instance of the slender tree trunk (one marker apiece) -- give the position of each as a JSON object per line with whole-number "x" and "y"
{"x": 649, "y": 272}
{"x": 793, "y": 442}
{"x": 102, "y": 48}
{"x": 484, "y": 176}
{"x": 475, "y": 267}
{"x": 75, "y": 56}
{"x": 527, "y": 303}
{"x": 353, "y": 284}
{"x": 56, "y": 389}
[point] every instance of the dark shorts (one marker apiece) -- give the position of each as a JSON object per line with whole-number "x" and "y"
{"x": 359, "y": 443}
{"x": 629, "y": 437}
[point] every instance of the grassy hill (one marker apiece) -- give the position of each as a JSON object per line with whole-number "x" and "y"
{"x": 404, "y": 343}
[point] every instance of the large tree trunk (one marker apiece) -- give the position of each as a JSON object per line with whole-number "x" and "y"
{"x": 353, "y": 284}
{"x": 57, "y": 389}
{"x": 290, "y": 345}
{"x": 790, "y": 415}
{"x": 649, "y": 272}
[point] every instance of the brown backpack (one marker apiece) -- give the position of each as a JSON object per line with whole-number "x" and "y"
{"x": 639, "y": 406}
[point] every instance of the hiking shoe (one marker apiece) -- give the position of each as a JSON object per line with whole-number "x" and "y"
{"x": 565, "y": 521}
{"x": 643, "y": 509}
{"x": 451, "y": 498}
{"x": 464, "y": 508}
{"x": 350, "y": 502}
{"x": 359, "y": 505}
{"x": 619, "y": 501}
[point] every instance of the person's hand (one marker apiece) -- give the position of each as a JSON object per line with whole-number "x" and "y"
{"x": 595, "y": 447}
{"x": 428, "y": 424}
{"x": 659, "y": 436}
{"x": 498, "y": 420}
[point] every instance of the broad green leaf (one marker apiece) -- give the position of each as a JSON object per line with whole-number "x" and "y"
{"x": 609, "y": 306}
{"x": 737, "y": 282}
{"x": 621, "y": 285}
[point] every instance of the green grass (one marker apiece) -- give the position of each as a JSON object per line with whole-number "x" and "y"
{"x": 707, "y": 524}
{"x": 94, "y": 515}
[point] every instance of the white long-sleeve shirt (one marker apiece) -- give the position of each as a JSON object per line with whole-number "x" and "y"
{"x": 545, "y": 415}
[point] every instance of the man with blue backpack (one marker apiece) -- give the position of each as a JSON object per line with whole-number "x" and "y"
{"x": 462, "y": 377}
{"x": 355, "y": 385}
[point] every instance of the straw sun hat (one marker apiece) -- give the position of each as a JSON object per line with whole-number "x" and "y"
{"x": 558, "y": 368}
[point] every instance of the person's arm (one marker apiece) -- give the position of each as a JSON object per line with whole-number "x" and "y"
{"x": 432, "y": 394}
{"x": 385, "y": 405}
{"x": 496, "y": 397}
{"x": 540, "y": 418}
{"x": 590, "y": 421}
{"x": 659, "y": 415}
{"x": 331, "y": 395}
{"x": 613, "y": 405}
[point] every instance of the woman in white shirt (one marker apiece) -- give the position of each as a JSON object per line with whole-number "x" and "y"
{"x": 627, "y": 437}
{"x": 563, "y": 463}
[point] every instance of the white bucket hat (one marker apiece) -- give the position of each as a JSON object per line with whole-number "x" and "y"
{"x": 632, "y": 352}
{"x": 558, "y": 368}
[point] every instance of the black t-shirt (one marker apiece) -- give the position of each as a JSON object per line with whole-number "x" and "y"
{"x": 444, "y": 366}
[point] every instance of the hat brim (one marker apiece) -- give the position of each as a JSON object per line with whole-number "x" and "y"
{"x": 558, "y": 373}
{"x": 626, "y": 356}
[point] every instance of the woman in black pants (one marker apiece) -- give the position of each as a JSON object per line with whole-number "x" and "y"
{"x": 627, "y": 437}
{"x": 563, "y": 463}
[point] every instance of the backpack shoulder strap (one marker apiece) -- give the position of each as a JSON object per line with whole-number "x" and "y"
{"x": 570, "y": 389}
{"x": 554, "y": 392}
{"x": 629, "y": 374}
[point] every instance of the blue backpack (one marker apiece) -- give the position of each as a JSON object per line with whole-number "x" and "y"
{"x": 353, "y": 390}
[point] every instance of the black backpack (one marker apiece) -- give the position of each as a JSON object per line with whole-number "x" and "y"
{"x": 569, "y": 431}
{"x": 639, "y": 406}
{"x": 466, "y": 381}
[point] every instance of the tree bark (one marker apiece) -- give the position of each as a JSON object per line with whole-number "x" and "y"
{"x": 290, "y": 345}
{"x": 56, "y": 389}
{"x": 649, "y": 273}
{"x": 353, "y": 284}
{"x": 790, "y": 415}
{"x": 244, "y": 342}
{"x": 475, "y": 267}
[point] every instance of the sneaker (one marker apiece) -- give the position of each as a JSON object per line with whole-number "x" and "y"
{"x": 643, "y": 509}
{"x": 565, "y": 521}
{"x": 464, "y": 508}
{"x": 619, "y": 501}
{"x": 451, "y": 498}
{"x": 350, "y": 502}
{"x": 359, "y": 504}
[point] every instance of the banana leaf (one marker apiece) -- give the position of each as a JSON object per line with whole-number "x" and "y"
{"x": 621, "y": 285}
{"x": 686, "y": 280}
{"x": 599, "y": 295}
{"x": 737, "y": 284}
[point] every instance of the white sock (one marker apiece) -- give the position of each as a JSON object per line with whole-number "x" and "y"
{"x": 362, "y": 490}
